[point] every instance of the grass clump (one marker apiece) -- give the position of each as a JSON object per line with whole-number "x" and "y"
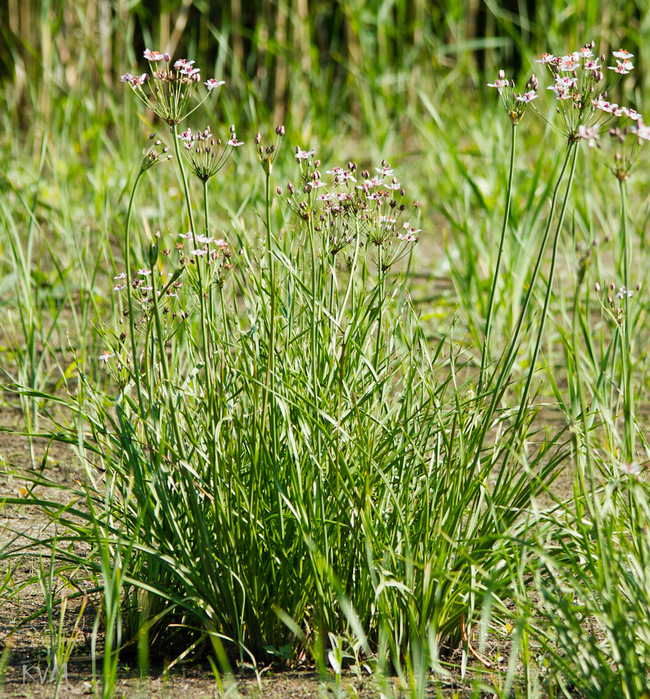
{"x": 279, "y": 461}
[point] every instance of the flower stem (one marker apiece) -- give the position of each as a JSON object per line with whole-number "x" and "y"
{"x": 504, "y": 367}
{"x": 572, "y": 149}
{"x": 485, "y": 357}
{"x": 129, "y": 295}
{"x": 269, "y": 382}
{"x": 205, "y": 336}
{"x": 628, "y": 393}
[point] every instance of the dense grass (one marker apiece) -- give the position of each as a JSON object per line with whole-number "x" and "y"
{"x": 307, "y": 449}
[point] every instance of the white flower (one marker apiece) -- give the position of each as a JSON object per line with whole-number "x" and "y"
{"x": 590, "y": 134}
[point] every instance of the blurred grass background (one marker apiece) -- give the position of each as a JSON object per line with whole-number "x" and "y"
{"x": 353, "y": 61}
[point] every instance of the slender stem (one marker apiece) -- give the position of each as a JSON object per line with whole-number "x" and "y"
{"x": 314, "y": 320}
{"x": 485, "y": 357}
{"x": 164, "y": 363}
{"x": 628, "y": 393}
{"x": 183, "y": 177}
{"x": 583, "y": 405}
{"x": 205, "y": 336}
{"x": 129, "y": 295}
{"x": 502, "y": 372}
{"x": 549, "y": 289}
{"x": 350, "y": 295}
{"x": 381, "y": 281}
{"x": 269, "y": 383}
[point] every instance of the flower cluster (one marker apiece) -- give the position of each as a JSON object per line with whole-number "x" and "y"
{"x": 205, "y": 154}
{"x": 355, "y": 206}
{"x": 143, "y": 288}
{"x": 615, "y": 296}
{"x": 580, "y": 87}
{"x": 268, "y": 154}
{"x": 625, "y": 141}
{"x": 515, "y": 103}
{"x": 171, "y": 88}
{"x": 166, "y": 287}
{"x": 154, "y": 154}
{"x": 212, "y": 251}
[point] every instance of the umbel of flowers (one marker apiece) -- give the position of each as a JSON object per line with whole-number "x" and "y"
{"x": 171, "y": 87}
{"x": 581, "y": 82}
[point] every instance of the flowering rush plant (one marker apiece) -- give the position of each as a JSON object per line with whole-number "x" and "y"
{"x": 581, "y": 83}
{"x": 171, "y": 87}
{"x": 351, "y": 204}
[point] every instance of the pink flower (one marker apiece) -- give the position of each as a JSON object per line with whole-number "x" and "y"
{"x": 604, "y": 105}
{"x": 134, "y": 80}
{"x": 568, "y": 64}
{"x": 560, "y": 92}
{"x": 182, "y": 64}
{"x": 622, "y": 67}
{"x": 590, "y": 134}
{"x": 547, "y": 58}
{"x": 374, "y": 182}
{"x": 641, "y": 130}
{"x": 234, "y": 142}
{"x": 566, "y": 82}
{"x": 105, "y": 356}
{"x": 500, "y": 82}
{"x": 527, "y": 96}
{"x": 634, "y": 115}
{"x": 591, "y": 65}
{"x": 303, "y": 154}
{"x": 153, "y": 56}
{"x": 192, "y": 73}
{"x": 211, "y": 83}
{"x": 631, "y": 469}
{"x": 622, "y": 53}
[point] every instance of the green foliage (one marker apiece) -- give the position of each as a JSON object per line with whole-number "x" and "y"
{"x": 284, "y": 452}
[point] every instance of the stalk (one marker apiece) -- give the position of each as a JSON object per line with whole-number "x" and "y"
{"x": 628, "y": 394}
{"x": 549, "y": 285}
{"x": 162, "y": 351}
{"x": 502, "y": 374}
{"x": 129, "y": 294}
{"x": 314, "y": 314}
{"x": 269, "y": 382}
{"x": 381, "y": 281}
{"x": 583, "y": 406}
{"x": 202, "y": 291}
{"x": 485, "y": 357}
